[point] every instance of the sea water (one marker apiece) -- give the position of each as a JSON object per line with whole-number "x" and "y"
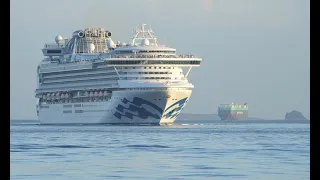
{"x": 194, "y": 150}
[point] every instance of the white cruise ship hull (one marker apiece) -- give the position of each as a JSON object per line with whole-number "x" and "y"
{"x": 132, "y": 107}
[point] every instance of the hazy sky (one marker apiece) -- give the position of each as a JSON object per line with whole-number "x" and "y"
{"x": 255, "y": 51}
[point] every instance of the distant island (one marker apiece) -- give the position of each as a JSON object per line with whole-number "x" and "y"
{"x": 294, "y": 115}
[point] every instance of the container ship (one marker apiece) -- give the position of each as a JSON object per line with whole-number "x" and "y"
{"x": 233, "y": 111}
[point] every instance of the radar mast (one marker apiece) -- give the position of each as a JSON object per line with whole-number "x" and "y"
{"x": 143, "y": 34}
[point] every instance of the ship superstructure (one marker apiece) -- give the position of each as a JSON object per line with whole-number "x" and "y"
{"x": 233, "y": 111}
{"x": 90, "y": 79}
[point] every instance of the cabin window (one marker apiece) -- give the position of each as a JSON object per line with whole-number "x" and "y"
{"x": 53, "y": 51}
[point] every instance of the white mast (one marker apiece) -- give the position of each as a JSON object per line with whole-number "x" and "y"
{"x": 140, "y": 34}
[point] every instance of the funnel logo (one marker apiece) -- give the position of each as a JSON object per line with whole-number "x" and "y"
{"x": 174, "y": 110}
{"x": 135, "y": 108}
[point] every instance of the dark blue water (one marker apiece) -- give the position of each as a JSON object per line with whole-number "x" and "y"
{"x": 220, "y": 150}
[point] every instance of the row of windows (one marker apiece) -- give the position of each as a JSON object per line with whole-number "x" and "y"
{"x": 156, "y": 89}
{"x": 94, "y": 77}
{"x": 143, "y": 51}
{"x": 160, "y": 99}
{"x": 77, "y": 71}
{"x": 53, "y": 51}
{"x": 144, "y": 62}
{"x": 108, "y": 80}
{"x": 85, "y": 74}
{"x": 131, "y": 78}
{"x": 82, "y": 111}
{"x": 155, "y": 72}
{"x": 147, "y": 68}
{"x": 169, "y": 52}
{"x": 79, "y": 77}
{"x": 157, "y": 78}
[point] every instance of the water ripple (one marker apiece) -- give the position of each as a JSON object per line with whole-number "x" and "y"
{"x": 216, "y": 151}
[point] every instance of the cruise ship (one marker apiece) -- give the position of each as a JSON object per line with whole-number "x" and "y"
{"x": 91, "y": 79}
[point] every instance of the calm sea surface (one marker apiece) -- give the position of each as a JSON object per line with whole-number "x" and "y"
{"x": 220, "y": 150}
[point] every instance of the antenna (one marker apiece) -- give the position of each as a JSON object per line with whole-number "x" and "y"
{"x": 142, "y": 27}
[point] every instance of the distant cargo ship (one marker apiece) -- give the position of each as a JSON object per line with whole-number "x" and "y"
{"x": 233, "y": 111}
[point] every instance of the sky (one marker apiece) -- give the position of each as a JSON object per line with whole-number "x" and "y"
{"x": 254, "y": 51}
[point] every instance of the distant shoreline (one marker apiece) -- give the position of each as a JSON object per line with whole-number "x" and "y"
{"x": 186, "y": 117}
{"x": 199, "y": 121}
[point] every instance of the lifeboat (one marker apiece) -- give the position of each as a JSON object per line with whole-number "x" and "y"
{"x": 62, "y": 96}
{"x": 96, "y": 94}
{"x": 86, "y": 94}
{"x": 91, "y": 94}
{"x": 57, "y": 95}
{"x": 105, "y": 93}
{"x": 48, "y": 96}
{"x": 66, "y": 96}
{"x": 52, "y": 95}
{"x": 100, "y": 93}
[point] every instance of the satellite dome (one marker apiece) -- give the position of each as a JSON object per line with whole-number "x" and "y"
{"x": 145, "y": 42}
{"x": 59, "y": 39}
